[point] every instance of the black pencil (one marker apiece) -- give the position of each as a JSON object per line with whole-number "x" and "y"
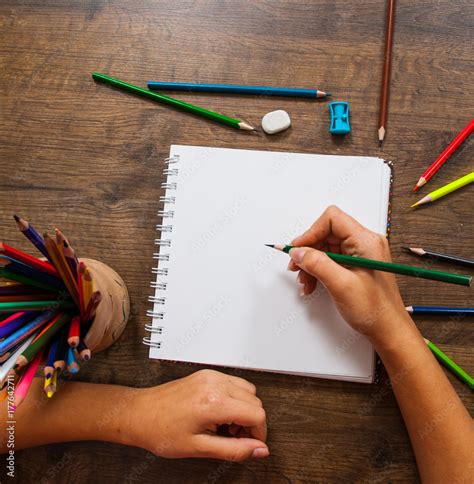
{"x": 453, "y": 259}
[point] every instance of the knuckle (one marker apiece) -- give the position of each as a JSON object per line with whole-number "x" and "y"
{"x": 206, "y": 376}
{"x": 333, "y": 210}
{"x": 261, "y": 416}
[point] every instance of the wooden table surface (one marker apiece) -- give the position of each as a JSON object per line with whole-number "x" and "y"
{"x": 88, "y": 159}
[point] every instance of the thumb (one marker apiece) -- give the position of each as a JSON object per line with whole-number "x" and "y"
{"x": 319, "y": 265}
{"x": 230, "y": 448}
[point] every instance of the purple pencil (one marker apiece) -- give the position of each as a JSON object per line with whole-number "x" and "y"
{"x": 34, "y": 237}
{"x": 14, "y": 322}
{"x": 18, "y": 289}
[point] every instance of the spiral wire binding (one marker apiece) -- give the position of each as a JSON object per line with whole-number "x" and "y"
{"x": 158, "y": 315}
{"x": 159, "y": 299}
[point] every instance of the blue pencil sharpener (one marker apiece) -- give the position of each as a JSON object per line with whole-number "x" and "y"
{"x": 339, "y": 118}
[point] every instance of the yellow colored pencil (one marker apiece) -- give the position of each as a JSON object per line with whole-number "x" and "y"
{"x": 87, "y": 286}
{"x": 450, "y": 187}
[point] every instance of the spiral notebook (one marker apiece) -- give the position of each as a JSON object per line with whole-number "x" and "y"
{"x": 223, "y": 298}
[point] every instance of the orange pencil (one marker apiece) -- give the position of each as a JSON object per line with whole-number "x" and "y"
{"x": 68, "y": 251}
{"x": 62, "y": 267}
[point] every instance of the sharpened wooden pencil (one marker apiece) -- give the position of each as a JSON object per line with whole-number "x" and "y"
{"x": 442, "y": 310}
{"x": 74, "y": 332}
{"x": 24, "y": 384}
{"x": 139, "y": 91}
{"x": 446, "y": 189}
{"x": 440, "y": 256}
{"x": 464, "y": 280}
{"x": 450, "y": 364}
{"x": 444, "y": 156}
{"x": 60, "y": 263}
{"x": 43, "y": 338}
{"x": 18, "y": 255}
{"x": 30, "y": 233}
{"x": 387, "y": 62}
{"x": 68, "y": 251}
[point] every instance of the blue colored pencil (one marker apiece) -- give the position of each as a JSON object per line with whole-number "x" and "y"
{"x": 34, "y": 237}
{"x": 71, "y": 361}
{"x": 25, "y": 331}
{"x": 237, "y": 89}
{"x": 439, "y": 310}
{"x": 49, "y": 367}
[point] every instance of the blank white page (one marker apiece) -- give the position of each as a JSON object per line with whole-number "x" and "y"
{"x": 229, "y": 300}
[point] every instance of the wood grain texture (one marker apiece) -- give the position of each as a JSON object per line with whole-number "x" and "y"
{"x": 88, "y": 159}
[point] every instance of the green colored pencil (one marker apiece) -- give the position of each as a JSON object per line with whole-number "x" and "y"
{"x": 13, "y": 307}
{"x": 450, "y": 365}
{"x": 407, "y": 270}
{"x": 42, "y": 339}
{"x": 15, "y": 276}
{"x": 191, "y": 108}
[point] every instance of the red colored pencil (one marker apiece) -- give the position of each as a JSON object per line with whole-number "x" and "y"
{"x": 74, "y": 332}
{"x": 9, "y": 251}
{"x": 444, "y": 156}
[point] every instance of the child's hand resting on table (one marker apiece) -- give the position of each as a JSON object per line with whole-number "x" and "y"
{"x": 183, "y": 417}
{"x": 176, "y": 419}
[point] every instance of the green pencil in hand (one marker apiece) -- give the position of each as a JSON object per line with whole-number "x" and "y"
{"x": 349, "y": 260}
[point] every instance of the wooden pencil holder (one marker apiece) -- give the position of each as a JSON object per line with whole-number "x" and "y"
{"x": 113, "y": 310}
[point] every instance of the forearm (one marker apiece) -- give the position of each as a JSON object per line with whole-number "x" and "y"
{"x": 440, "y": 428}
{"x": 79, "y": 411}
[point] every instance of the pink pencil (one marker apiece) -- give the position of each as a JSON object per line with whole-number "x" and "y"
{"x": 24, "y": 384}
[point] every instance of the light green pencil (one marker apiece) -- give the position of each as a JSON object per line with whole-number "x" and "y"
{"x": 450, "y": 187}
{"x": 450, "y": 365}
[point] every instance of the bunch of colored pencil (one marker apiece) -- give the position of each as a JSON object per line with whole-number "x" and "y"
{"x": 47, "y": 307}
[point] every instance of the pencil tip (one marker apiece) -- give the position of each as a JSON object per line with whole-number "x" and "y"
{"x": 415, "y": 204}
{"x": 415, "y": 188}
{"x": 380, "y": 143}
{"x": 245, "y": 126}
{"x": 328, "y": 94}
{"x": 270, "y": 245}
{"x": 16, "y": 217}
{"x": 406, "y": 248}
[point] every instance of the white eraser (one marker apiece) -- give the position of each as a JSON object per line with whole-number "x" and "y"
{"x": 276, "y": 121}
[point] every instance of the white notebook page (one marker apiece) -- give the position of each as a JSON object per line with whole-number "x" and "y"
{"x": 229, "y": 300}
